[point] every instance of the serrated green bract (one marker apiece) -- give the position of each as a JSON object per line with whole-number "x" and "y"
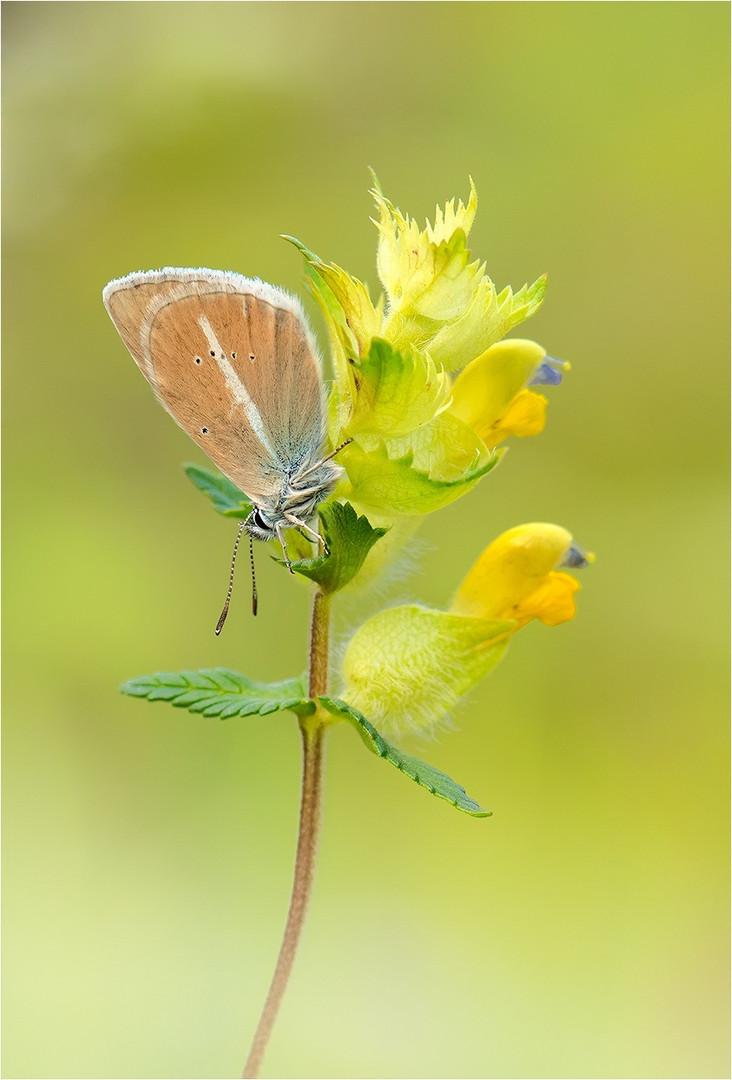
{"x": 220, "y": 692}
{"x": 409, "y": 665}
{"x": 436, "y": 782}
{"x": 352, "y": 318}
{"x": 440, "y": 301}
{"x": 224, "y": 495}
{"x": 447, "y": 449}
{"x": 426, "y": 273}
{"x": 421, "y": 474}
{"x": 349, "y": 538}
{"x": 394, "y": 393}
{"x": 485, "y": 322}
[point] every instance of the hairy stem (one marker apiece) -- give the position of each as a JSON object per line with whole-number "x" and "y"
{"x": 313, "y": 732}
{"x": 319, "y": 643}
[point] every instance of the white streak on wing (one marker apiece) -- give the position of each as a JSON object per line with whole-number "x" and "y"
{"x": 236, "y": 386}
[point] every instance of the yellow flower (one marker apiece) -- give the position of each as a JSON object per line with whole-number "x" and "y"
{"x": 409, "y": 665}
{"x": 491, "y": 395}
{"x": 518, "y": 577}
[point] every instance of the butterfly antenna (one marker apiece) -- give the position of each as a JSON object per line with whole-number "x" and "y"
{"x": 225, "y": 611}
{"x": 254, "y": 580}
{"x": 326, "y": 458}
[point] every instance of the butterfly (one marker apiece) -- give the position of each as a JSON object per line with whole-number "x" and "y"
{"x": 234, "y": 362}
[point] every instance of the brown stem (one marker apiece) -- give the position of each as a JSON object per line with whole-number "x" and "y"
{"x": 313, "y": 732}
{"x": 319, "y": 644}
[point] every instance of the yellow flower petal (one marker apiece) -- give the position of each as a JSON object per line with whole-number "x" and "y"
{"x": 510, "y": 570}
{"x": 484, "y": 390}
{"x": 552, "y": 603}
{"x": 525, "y": 415}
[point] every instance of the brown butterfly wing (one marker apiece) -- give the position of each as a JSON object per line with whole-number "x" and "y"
{"x": 232, "y": 360}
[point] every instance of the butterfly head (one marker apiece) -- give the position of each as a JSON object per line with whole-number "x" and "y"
{"x": 297, "y": 500}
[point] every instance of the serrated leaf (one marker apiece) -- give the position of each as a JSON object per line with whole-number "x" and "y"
{"x": 436, "y": 782}
{"x": 421, "y": 474}
{"x": 224, "y": 495}
{"x": 350, "y": 537}
{"x": 395, "y": 392}
{"x": 221, "y": 692}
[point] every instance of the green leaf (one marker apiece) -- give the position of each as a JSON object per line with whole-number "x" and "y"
{"x": 394, "y": 393}
{"x": 436, "y": 782}
{"x": 398, "y": 484}
{"x": 220, "y": 692}
{"x": 224, "y": 495}
{"x": 349, "y": 538}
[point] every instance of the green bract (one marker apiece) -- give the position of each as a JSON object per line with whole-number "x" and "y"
{"x": 345, "y": 302}
{"x": 408, "y": 665}
{"x": 414, "y": 482}
{"x": 437, "y": 298}
{"x": 487, "y": 318}
{"x": 395, "y": 392}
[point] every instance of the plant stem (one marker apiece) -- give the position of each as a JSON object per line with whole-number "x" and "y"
{"x": 313, "y": 732}
{"x": 319, "y": 643}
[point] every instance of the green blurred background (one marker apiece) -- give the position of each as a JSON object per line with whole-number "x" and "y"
{"x": 581, "y": 931}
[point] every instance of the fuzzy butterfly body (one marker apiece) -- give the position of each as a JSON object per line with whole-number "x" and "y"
{"x": 233, "y": 361}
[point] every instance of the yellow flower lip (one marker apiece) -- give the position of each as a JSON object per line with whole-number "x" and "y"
{"x": 516, "y": 577}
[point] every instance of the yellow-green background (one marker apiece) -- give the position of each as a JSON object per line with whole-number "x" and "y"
{"x": 581, "y": 931}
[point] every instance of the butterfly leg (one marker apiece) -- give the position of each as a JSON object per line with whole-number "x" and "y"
{"x": 281, "y": 537}
{"x": 310, "y": 532}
